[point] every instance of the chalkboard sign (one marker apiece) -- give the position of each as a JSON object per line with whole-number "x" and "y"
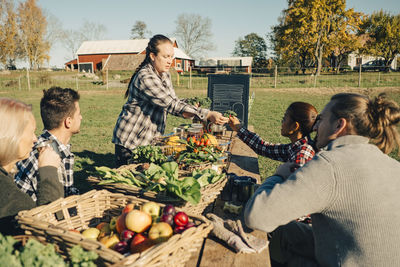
{"x": 230, "y": 92}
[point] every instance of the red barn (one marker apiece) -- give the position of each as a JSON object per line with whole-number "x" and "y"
{"x": 98, "y": 55}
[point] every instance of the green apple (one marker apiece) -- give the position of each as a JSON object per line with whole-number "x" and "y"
{"x": 91, "y": 233}
{"x": 151, "y": 208}
{"x": 160, "y": 232}
{"x": 113, "y": 223}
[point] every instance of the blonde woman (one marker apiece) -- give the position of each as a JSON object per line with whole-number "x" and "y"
{"x": 17, "y": 137}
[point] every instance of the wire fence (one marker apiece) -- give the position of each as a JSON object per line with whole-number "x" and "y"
{"x": 275, "y": 78}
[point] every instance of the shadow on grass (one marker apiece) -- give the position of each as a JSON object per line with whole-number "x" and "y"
{"x": 85, "y": 163}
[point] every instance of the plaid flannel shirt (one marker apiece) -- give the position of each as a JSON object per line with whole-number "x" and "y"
{"x": 299, "y": 152}
{"x": 143, "y": 116}
{"x": 28, "y": 169}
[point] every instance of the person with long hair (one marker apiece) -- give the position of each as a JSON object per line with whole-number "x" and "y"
{"x": 17, "y": 137}
{"x": 297, "y": 124}
{"x": 350, "y": 188}
{"x": 150, "y": 97}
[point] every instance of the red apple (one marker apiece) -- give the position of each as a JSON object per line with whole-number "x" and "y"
{"x": 128, "y": 208}
{"x": 168, "y": 218}
{"x": 179, "y": 229}
{"x": 181, "y": 219}
{"x": 121, "y": 247}
{"x": 137, "y": 221}
{"x": 127, "y": 235}
{"x": 169, "y": 209}
{"x": 120, "y": 226}
{"x": 140, "y": 243}
{"x": 160, "y": 232}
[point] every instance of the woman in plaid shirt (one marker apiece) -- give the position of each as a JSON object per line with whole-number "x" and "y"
{"x": 297, "y": 124}
{"x": 150, "y": 97}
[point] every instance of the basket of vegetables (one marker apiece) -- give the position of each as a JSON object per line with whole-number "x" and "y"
{"x": 122, "y": 230}
{"x": 166, "y": 183}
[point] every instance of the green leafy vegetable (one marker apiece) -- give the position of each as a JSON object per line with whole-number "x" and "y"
{"x": 151, "y": 154}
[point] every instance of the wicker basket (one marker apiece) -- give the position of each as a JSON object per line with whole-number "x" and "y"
{"x": 54, "y": 220}
{"x": 208, "y": 193}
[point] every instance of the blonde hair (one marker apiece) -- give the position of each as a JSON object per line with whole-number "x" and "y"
{"x": 374, "y": 118}
{"x": 14, "y": 116}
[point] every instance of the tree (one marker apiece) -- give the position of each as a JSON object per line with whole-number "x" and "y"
{"x": 313, "y": 25}
{"x": 9, "y": 40}
{"x": 194, "y": 34}
{"x": 90, "y": 31}
{"x": 383, "y": 31}
{"x": 254, "y": 46}
{"x": 139, "y": 30}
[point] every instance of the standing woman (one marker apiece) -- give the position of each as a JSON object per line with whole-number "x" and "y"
{"x": 17, "y": 137}
{"x": 150, "y": 97}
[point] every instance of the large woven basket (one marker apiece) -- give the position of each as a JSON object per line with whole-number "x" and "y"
{"x": 53, "y": 222}
{"x": 208, "y": 193}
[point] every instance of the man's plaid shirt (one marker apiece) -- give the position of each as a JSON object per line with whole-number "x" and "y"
{"x": 143, "y": 116}
{"x": 299, "y": 152}
{"x": 28, "y": 169}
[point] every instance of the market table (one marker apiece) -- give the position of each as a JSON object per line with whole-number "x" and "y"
{"x": 214, "y": 252}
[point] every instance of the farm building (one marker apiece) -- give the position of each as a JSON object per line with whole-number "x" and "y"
{"x": 120, "y": 55}
{"x": 225, "y": 64}
{"x": 355, "y": 59}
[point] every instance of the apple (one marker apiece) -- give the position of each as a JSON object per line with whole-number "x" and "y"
{"x": 110, "y": 240}
{"x": 179, "y": 229}
{"x": 169, "y": 209}
{"x": 151, "y": 208}
{"x": 91, "y": 233}
{"x": 121, "y": 247}
{"x": 168, "y": 218}
{"x": 140, "y": 243}
{"x": 128, "y": 208}
{"x": 127, "y": 235}
{"x": 104, "y": 229}
{"x": 120, "y": 225}
{"x": 137, "y": 221}
{"x": 181, "y": 219}
{"x": 160, "y": 232}
{"x": 113, "y": 223}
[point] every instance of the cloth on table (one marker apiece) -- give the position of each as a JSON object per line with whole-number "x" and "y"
{"x": 233, "y": 234}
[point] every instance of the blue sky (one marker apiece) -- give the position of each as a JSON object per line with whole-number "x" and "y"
{"x": 231, "y": 19}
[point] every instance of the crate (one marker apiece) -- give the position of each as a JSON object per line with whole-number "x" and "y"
{"x": 54, "y": 221}
{"x": 208, "y": 193}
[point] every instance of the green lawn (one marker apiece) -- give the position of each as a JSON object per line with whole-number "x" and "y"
{"x": 100, "y": 109}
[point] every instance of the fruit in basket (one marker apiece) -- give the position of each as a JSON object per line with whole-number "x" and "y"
{"x": 127, "y": 235}
{"x": 173, "y": 140}
{"x": 169, "y": 209}
{"x": 109, "y": 240}
{"x": 128, "y": 208}
{"x": 120, "y": 225}
{"x": 179, "y": 229}
{"x": 140, "y": 243}
{"x": 122, "y": 247}
{"x": 113, "y": 223}
{"x": 181, "y": 219}
{"x": 137, "y": 221}
{"x": 91, "y": 233}
{"x": 151, "y": 208}
{"x": 104, "y": 229}
{"x": 168, "y": 218}
{"x": 212, "y": 139}
{"x": 160, "y": 232}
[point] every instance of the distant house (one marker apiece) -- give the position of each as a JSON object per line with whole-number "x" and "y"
{"x": 225, "y": 64}
{"x": 355, "y": 59}
{"x": 120, "y": 55}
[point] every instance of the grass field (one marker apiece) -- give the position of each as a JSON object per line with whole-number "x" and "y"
{"x": 100, "y": 109}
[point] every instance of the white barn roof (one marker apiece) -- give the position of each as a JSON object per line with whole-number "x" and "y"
{"x": 121, "y": 46}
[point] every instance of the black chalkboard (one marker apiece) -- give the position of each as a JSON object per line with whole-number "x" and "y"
{"x": 230, "y": 92}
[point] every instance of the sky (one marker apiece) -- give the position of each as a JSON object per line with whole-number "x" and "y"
{"x": 231, "y": 19}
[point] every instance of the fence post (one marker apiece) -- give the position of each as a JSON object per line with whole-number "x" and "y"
{"x": 190, "y": 77}
{"x": 379, "y": 77}
{"x": 359, "y": 77}
{"x": 315, "y": 80}
{"x": 19, "y": 83}
{"x": 177, "y": 78}
{"x": 275, "y": 75}
{"x": 27, "y": 77}
{"x": 107, "y": 79}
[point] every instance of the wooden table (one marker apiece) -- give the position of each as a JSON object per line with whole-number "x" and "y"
{"x": 214, "y": 252}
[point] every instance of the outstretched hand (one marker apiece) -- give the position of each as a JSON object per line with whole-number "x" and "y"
{"x": 217, "y": 118}
{"x": 234, "y": 123}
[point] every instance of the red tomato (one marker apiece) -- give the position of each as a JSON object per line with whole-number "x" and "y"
{"x": 198, "y": 143}
{"x": 181, "y": 219}
{"x": 208, "y": 142}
